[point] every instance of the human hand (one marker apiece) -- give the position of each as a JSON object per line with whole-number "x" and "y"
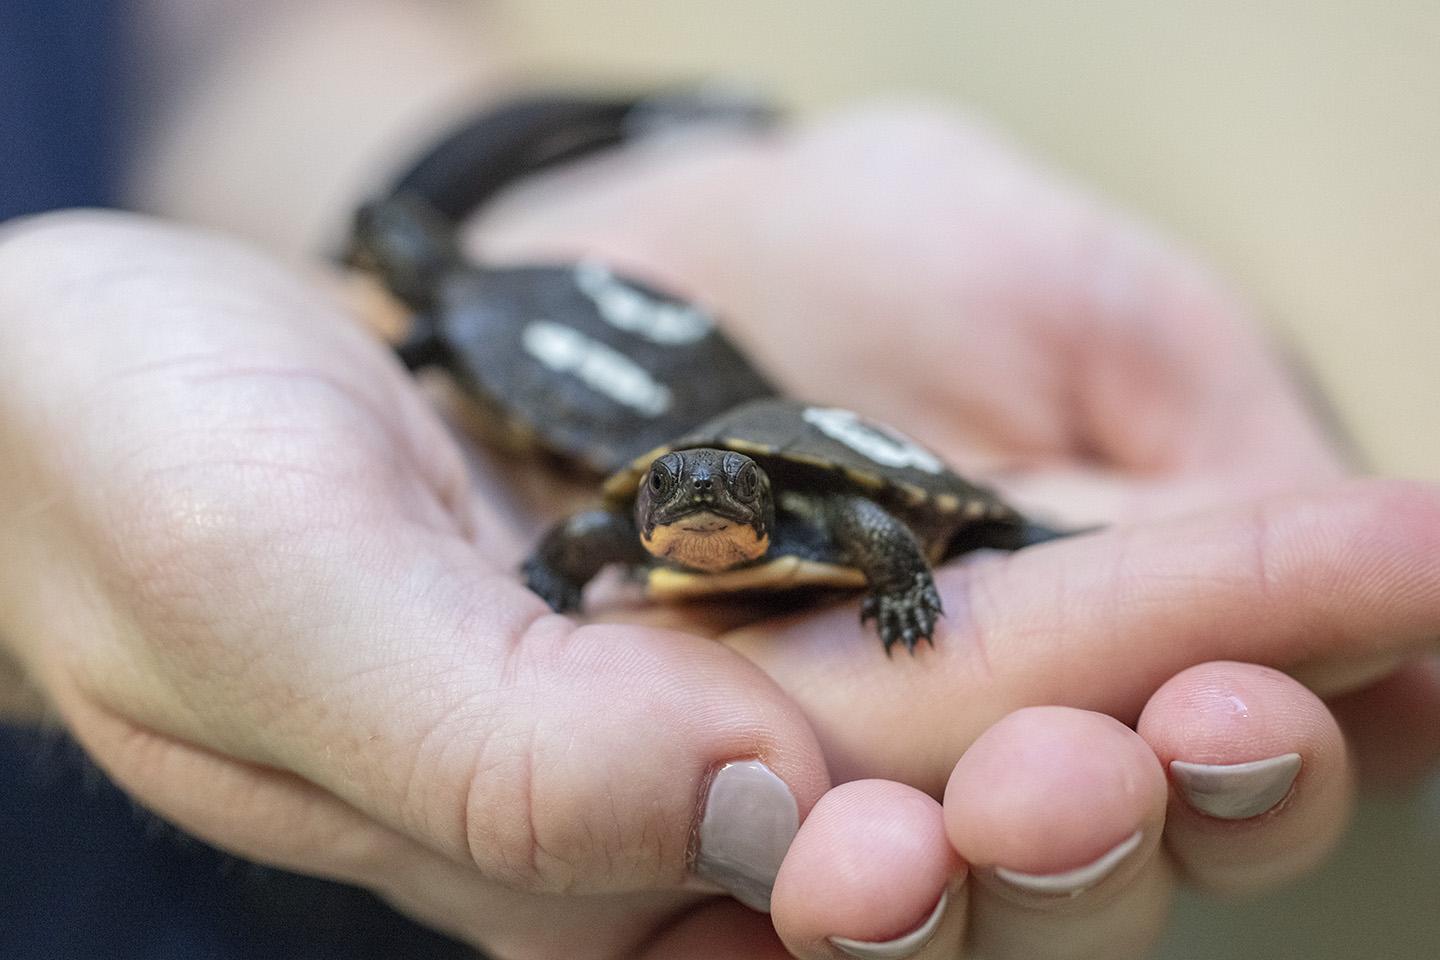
{"x": 244, "y": 561}
{"x": 908, "y": 266}
{"x": 338, "y": 523}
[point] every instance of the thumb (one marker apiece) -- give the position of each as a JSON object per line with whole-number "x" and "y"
{"x": 251, "y": 543}
{"x": 448, "y": 703}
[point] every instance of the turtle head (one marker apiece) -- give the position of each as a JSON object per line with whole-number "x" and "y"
{"x": 705, "y": 509}
{"x": 407, "y": 242}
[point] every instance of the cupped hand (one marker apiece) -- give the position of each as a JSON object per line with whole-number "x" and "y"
{"x": 906, "y": 264}
{"x": 243, "y": 559}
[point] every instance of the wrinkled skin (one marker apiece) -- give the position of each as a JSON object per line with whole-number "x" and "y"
{"x": 246, "y": 562}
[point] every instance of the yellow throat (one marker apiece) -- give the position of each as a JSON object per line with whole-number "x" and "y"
{"x": 706, "y": 541}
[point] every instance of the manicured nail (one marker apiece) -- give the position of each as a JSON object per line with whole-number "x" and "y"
{"x": 900, "y": 947}
{"x": 750, "y": 819}
{"x": 1236, "y": 791}
{"x": 1072, "y": 883}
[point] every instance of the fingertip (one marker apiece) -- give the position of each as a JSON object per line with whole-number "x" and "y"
{"x": 1061, "y": 812}
{"x": 1050, "y": 791}
{"x": 1261, "y": 787}
{"x": 867, "y": 873}
{"x": 1227, "y": 712}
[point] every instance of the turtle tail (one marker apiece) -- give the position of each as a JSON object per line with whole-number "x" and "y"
{"x": 1009, "y": 536}
{"x": 1029, "y": 534}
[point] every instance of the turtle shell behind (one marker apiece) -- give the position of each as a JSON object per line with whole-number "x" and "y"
{"x": 806, "y": 448}
{"x": 597, "y": 368}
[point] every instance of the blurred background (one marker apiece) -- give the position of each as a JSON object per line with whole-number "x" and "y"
{"x": 1295, "y": 145}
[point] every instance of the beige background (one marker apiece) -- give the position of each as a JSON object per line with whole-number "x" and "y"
{"x": 1295, "y": 144}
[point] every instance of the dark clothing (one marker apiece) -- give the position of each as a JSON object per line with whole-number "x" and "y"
{"x": 85, "y": 875}
{"x": 61, "y": 116}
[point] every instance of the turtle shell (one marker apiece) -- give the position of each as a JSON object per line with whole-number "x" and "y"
{"x": 809, "y": 449}
{"x": 588, "y": 365}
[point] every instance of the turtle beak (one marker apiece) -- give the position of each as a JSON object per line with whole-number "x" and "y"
{"x": 705, "y": 522}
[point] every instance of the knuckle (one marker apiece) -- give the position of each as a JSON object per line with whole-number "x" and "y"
{"x": 523, "y": 832}
{"x": 498, "y": 814}
{"x": 508, "y": 800}
{"x": 551, "y": 805}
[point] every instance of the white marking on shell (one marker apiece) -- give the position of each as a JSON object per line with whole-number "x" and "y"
{"x": 566, "y": 350}
{"x": 626, "y": 308}
{"x": 873, "y": 441}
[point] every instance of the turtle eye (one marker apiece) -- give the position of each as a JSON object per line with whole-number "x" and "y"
{"x": 660, "y": 478}
{"x": 747, "y": 482}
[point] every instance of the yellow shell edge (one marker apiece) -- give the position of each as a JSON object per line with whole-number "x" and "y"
{"x": 621, "y": 484}
{"x": 782, "y": 573}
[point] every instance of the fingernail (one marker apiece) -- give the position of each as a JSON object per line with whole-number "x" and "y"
{"x": 1072, "y": 883}
{"x": 905, "y": 946}
{"x": 750, "y": 819}
{"x": 1236, "y": 791}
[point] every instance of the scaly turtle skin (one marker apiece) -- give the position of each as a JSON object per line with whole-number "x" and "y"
{"x": 571, "y": 358}
{"x": 777, "y": 495}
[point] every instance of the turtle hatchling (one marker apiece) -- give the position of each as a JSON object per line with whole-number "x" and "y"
{"x": 571, "y": 358}
{"x": 778, "y": 495}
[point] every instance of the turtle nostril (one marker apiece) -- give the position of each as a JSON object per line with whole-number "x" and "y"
{"x": 701, "y": 484}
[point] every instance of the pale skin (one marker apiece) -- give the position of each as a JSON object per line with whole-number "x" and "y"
{"x": 247, "y": 564}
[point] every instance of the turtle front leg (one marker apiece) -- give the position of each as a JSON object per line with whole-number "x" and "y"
{"x": 902, "y": 600}
{"x": 575, "y": 550}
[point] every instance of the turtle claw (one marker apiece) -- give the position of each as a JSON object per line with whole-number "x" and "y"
{"x": 561, "y": 594}
{"x": 906, "y": 615}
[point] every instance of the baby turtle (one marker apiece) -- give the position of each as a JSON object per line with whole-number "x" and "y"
{"x": 572, "y": 358}
{"x": 777, "y": 495}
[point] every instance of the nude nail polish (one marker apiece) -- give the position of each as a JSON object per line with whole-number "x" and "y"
{"x": 903, "y": 946}
{"x": 1236, "y": 791}
{"x": 749, "y": 822}
{"x": 1072, "y": 883}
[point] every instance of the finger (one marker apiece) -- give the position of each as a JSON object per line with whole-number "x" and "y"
{"x": 1393, "y": 726}
{"x": 1260, "y": 785}
{"x": 278, "y": 819}
{"x": 1079, "y": 497}
{"x": 1348, "y": 578}
{"x": 275, "y": 817}
{"x": 271, "y": 572}
{"x": 871, "y": 875}
{"x": 717, "y": 930}
{"x": 1060, "y": 813}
